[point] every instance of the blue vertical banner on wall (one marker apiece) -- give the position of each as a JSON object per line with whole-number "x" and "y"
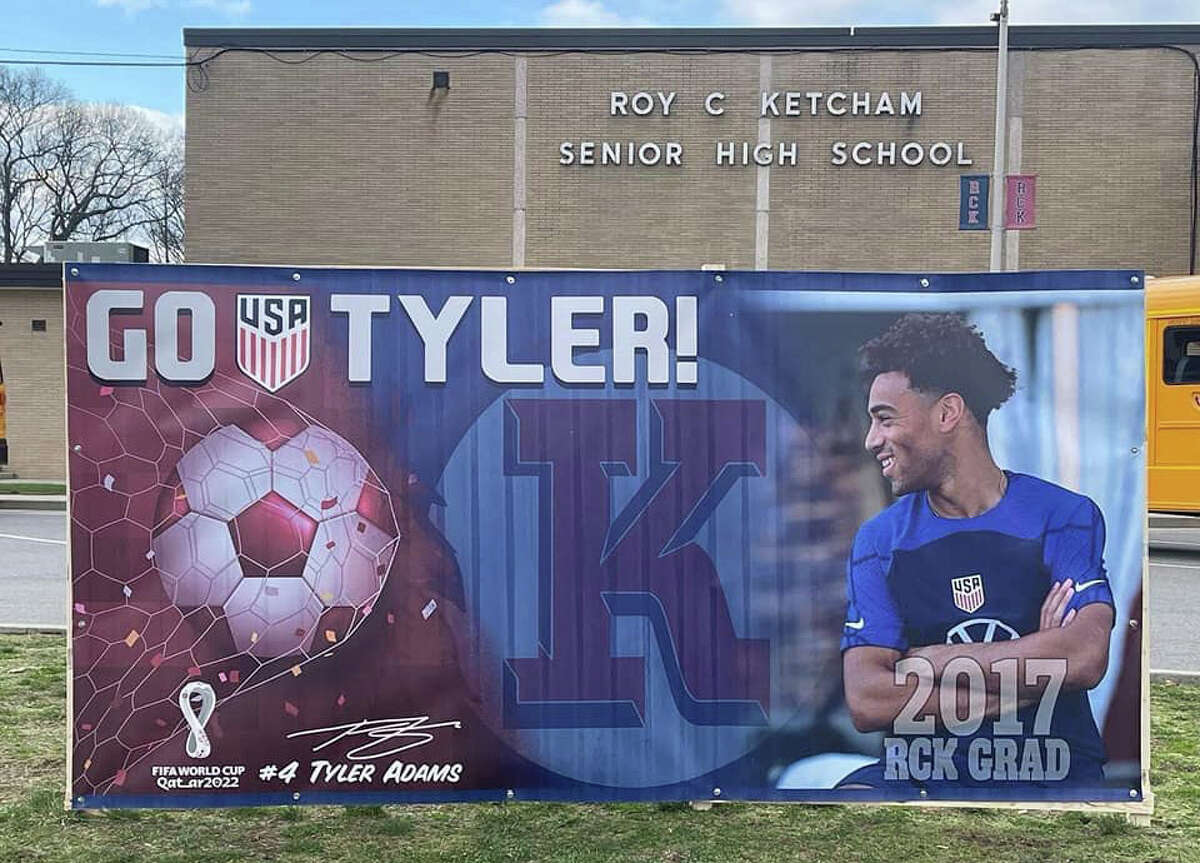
{"x": 973, "y": 202}
{"x": 346, "y": 536}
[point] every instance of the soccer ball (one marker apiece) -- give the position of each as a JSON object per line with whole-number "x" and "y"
{"x": 290, "y": 545}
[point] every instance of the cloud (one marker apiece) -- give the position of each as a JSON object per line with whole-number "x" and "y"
{"x": 229, "y": 8}
{"x": 132, "y": 7}
{"x": 861, "y": 13}
{"x": 586, "y": 13}
{"x": 1070, "y": 11}
{"x": 164, "y": 122}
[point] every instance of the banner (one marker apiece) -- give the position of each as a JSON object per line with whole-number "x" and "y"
{"x": 973, "y": 202}
{"x": 344, "y": 536}
{"x": 1020, "y": 202}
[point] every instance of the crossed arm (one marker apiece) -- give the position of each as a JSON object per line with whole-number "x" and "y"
{"x": 1081, "y": 639}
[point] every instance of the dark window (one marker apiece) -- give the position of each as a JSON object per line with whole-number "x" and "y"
{"x": 39, "y": 325}
{"x": 1181, "y": 355}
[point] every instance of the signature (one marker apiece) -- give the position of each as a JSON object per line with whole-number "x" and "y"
{"x": 402, "y": 734}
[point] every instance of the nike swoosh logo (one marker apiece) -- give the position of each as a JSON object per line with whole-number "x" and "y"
{"x": 856, "y": 624}
{"x": 1084, "y": 585}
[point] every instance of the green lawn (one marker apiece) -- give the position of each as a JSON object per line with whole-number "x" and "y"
{"x": 34, "y": 827}
{"x": 9, "y": 486}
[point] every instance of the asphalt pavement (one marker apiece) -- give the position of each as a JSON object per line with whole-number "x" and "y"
{"x": 33, "y": 560}
{"x": 33, "y": 583}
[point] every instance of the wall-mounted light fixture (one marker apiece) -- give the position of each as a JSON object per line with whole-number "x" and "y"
{"x": 441, "y": 80}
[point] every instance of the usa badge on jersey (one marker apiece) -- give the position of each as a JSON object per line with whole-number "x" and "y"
{"x": 968, "y": 592}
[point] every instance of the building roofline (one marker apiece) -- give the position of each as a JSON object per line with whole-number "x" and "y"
{"x": 31, "y": 276}
{"x": 687, "y": 39}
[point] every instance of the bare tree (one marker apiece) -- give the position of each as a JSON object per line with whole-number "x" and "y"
{"x": 162, "y": 201}
{"x": 103, "y": 159}
{"x": 26, "y": 111}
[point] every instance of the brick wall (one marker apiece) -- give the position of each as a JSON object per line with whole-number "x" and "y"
{"x": 34, "y": 382}
{"x": 341, "y": 162}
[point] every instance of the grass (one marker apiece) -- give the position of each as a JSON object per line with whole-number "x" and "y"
{"x": 34, "y": 827}
{"x": 19, "y": 487}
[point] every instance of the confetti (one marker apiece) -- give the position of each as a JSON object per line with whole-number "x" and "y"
{"x": 254, "y": 638}
{"x": 362, "y": 527}
{"x": 194, "y": 671}
{"x": 295, "y": 669}
{"x": 234, "y": 675}
{"x": 125, "y": 590}
{"x": 328, "y": 597}
{"x": 108, "y": 482}
{"x": 299, "y": 631}
{"x": 87, "y": 726}
{"x": 156, "y": 660}
{"x": 150, "y": 554}
{"x": 291, "y": 709}
{"x": 131, "y": 638}
{"x": 79, "y": 607}
{"x": 329, "y": 503}
{"x": 312, "y": 457}
{"x": 119, "y": 779}
{"x": 82, "y": 624}
{"x": 341, "y": 699}
{"x": 77, "y": 448}
{"x": 330, "y": 636}
{"x": 106, "y": 391}
{"x": 221, "y": 676}
{"x": 367, "y": 608}
{"x": 87, "y": 763}
{"x": 161, "y": 723}
{"x": 429, "y": 609}
{"x": 330, "y": 544}
{"x": 391, "y": 618}
{"x": 271, "y": 591}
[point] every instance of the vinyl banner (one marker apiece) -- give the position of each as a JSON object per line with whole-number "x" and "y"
{"x": 398, "y": 535}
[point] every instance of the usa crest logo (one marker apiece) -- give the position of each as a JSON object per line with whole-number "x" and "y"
{"x": 968, "y": 592}
{"x": 273, "y": 338}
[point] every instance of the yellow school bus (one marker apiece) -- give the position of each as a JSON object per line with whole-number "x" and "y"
{"x": 1173, "y": 393}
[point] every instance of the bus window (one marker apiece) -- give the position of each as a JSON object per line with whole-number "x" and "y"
{"x": 1181, "y": 355}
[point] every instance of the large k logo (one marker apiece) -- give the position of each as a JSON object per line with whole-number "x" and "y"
{"x": 596, "y": 565}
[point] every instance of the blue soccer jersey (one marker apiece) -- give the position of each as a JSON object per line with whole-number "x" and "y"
{"x": 915, "y": 579}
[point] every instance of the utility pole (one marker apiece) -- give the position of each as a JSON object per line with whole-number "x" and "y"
{"x": 998, "y": 161}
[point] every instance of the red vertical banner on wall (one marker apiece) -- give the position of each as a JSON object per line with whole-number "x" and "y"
{"x": 1020, "y": 202}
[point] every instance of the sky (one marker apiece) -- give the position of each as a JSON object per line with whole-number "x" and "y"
{"x": 66, "y": 28}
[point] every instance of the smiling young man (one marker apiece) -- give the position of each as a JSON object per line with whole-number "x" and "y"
{"x": 986, "y": 587}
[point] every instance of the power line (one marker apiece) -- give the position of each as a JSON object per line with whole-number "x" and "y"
{"x": 177, "y": 65}
{"x": 89, "y": 53}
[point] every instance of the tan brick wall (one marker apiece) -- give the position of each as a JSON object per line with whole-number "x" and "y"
{"x": 890, "y": 217}
{"x": 339, "y": 162}
{"x": 1108, "y": 134}
{"x": 641, "y": 216}
{"x": 333, "y": 161}
{"x": 34, "y": 383}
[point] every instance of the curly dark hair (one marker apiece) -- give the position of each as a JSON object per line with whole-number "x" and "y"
{"x": 941, "y": 354}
